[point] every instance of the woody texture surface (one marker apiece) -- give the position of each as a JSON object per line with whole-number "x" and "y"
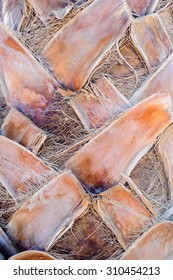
{"x": 86, "y": 129}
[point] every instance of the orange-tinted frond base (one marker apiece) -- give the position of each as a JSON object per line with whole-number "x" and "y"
{"x": 155, "y": 244}
{"x": 32, "y": 255}
{"x": 21, "y": 129}
{"x": 160, "y": 82}
{"x": 48, "y": 213}
{"x": 151, "y": 39}
{"x": 20, "y": 170}
{"x": 95, "y": 109}
{"x": 45, "y": 8}
{"x": 122, "y": 212}
{"x": 73, "y": 57}
{"x": 25, "y": 84}
{"x": 118, "y": 148}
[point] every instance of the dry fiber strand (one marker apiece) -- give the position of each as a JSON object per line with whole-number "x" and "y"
{"x": 86, "y": 85}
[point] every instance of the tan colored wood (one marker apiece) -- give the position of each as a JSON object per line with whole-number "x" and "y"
{"x": 118, "y": 148}
{"x": 155, "y": 244}
{"x": 73, "y": 57}
{"x": 49, "y": 213}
